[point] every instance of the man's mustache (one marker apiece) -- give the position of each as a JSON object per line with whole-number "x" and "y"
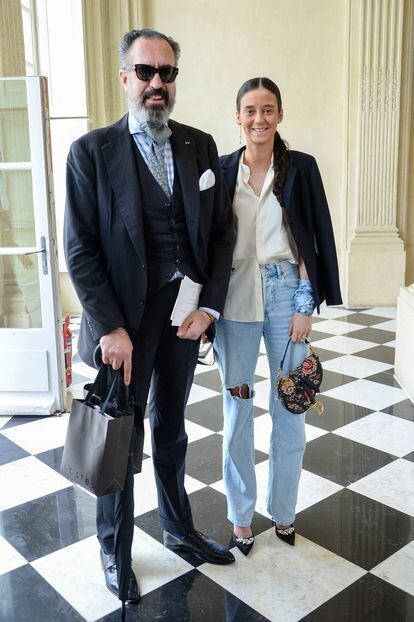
{"x": 155, "y": 93}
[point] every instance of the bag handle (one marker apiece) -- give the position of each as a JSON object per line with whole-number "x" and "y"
{"x": 100, "y": 377}
{"x": 308, "y": 343}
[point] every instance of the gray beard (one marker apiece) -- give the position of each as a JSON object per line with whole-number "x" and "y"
{"x": 156, "y": 116}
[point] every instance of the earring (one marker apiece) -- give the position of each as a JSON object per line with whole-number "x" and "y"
{"x": 240, "y": 136}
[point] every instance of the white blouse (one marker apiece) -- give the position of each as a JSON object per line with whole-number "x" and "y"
{"x": 262, "y": 238}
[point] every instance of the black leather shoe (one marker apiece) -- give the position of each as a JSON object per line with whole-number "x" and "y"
{"x": 244, "y": 545}
{"x": 287, "y": 535}
{"x": 111, "y": 580}
{"x": 200, "y": 546}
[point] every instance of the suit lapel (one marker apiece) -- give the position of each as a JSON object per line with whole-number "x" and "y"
{"x": 185, "y": 158}
{"x": 120, "y": 164}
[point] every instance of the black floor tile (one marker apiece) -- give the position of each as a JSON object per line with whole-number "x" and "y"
{"x": 336, "y": 414}
{"x": 404, "y": 409}
{"x": 375, "y": 335}
{"x": 26, "y": 597}
{"x": 385, "y": 377}
{"x": 209, "y": 413}
{"x": 341, "y": 460}
{"x": 192, "y": 597}
{"x": 365, "y": 319}
{"x": 369, "y": 599}
{"x": 316, "y": 319}
{"x": 356, "y": 527}
{"x": 326, "y": 355}
{"x": 204, "y": 459}
{"x": 332, "y": 379}
{"x": 9, "y": 451}
{"x": 49, "y": 523}
{"x": 384, "y": 354}
{"x": 409, "y": 456}
{"x": 316, "y": 335}
{"x": 52, "y": 457}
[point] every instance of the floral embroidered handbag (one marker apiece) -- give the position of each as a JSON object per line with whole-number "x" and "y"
{"x": 297, "y": 390}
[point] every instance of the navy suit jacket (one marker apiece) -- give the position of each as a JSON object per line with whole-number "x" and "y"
{"x": 104, "y": 234}
{"x": 307, "y": 213}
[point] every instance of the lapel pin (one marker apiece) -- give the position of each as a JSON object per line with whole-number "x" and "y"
{"x": 186, "y": 142}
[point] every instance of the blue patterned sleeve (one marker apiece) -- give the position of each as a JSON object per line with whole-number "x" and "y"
{"x": 303, "y": 298}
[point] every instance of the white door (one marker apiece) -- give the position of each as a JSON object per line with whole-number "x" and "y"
{"x": 31, "y": 347}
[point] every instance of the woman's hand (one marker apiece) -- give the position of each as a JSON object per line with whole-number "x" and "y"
{"x": 300, "y": 327}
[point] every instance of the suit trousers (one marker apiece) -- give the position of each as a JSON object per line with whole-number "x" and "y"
{"x": 162, "y": 365}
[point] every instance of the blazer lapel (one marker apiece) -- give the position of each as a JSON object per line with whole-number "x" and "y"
{"x": 120, "y": 164}
{"x": 287, "y": 190}
{"x": 230, "y": 167}
{"x": 185, "y": 158}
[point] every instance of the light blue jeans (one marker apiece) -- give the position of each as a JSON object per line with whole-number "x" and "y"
{"x": 237, "y": 348}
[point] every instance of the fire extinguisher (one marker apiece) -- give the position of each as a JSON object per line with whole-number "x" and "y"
{"x": 67, "y": 345}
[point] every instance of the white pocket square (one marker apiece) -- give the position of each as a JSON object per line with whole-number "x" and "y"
{"x": 207, "y": 180}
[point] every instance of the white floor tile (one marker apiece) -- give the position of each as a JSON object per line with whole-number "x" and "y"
{"x": 262, "y": 367}
{"x": 343, "y": 344}
{"x": 313, "y": 432}
{"x": 202, "y": 369}
{"x": 392, "y": 485}
{"x": 145, "y": 491}
{"x": 198, "y": 394}
{"x": 368, "y": 394}
{"x": 27, "y": 479}
{"x": 262, "y": 432}
{"x": 10, "y": 559}
{"x": 262, "y": 392}
{"x": 297, "y": 579}
{"x": 398, "y": 569}
{"x": 355, "y": 366}
{"x": 390, "y": 325}
{"x": 381, "y": 431}
{"x": 75, "y": 573}
{"x": 38, "y": 436}
{"x": 262, "y": 347}
{"x": 332, "y": 313}
{"x": 390, "y": 344}
{"x": 336, "y": 327}
{"x": 390, "y": 312}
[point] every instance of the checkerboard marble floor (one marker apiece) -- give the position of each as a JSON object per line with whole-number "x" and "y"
{"x": 354, "y": 556}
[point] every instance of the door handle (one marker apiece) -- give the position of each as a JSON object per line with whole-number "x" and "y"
{"x": 42, "y": 250}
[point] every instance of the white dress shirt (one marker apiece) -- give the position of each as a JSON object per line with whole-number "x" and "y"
{"x": 262, "y": 238}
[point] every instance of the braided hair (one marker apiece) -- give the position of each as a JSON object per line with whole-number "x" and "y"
{"x": 281, "y": 158}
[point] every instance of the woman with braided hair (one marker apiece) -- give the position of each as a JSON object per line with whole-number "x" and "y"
{"x": 284, "y": 265}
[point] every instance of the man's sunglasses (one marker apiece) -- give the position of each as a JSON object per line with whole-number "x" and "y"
{"x": 146, "y": 73}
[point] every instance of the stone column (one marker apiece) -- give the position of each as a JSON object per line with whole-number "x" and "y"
{"x": 105, "y": 21}
{"x": 375, "y": 257}
{"x": 12, "y": 61}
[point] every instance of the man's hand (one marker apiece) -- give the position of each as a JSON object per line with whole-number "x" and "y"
{"x": 194, "y": 325}
{"x": 116, "y": 349}
{"x": 300, "y": 327}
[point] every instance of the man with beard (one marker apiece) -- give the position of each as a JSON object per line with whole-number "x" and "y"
{"x": 146, "y": 205}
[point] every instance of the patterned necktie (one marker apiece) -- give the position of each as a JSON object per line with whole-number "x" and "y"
{"x": 156, "y": 165}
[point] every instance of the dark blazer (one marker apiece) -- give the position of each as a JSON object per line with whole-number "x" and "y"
{"x": 307, "y": 213}
{"x": 104, "y": 235}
